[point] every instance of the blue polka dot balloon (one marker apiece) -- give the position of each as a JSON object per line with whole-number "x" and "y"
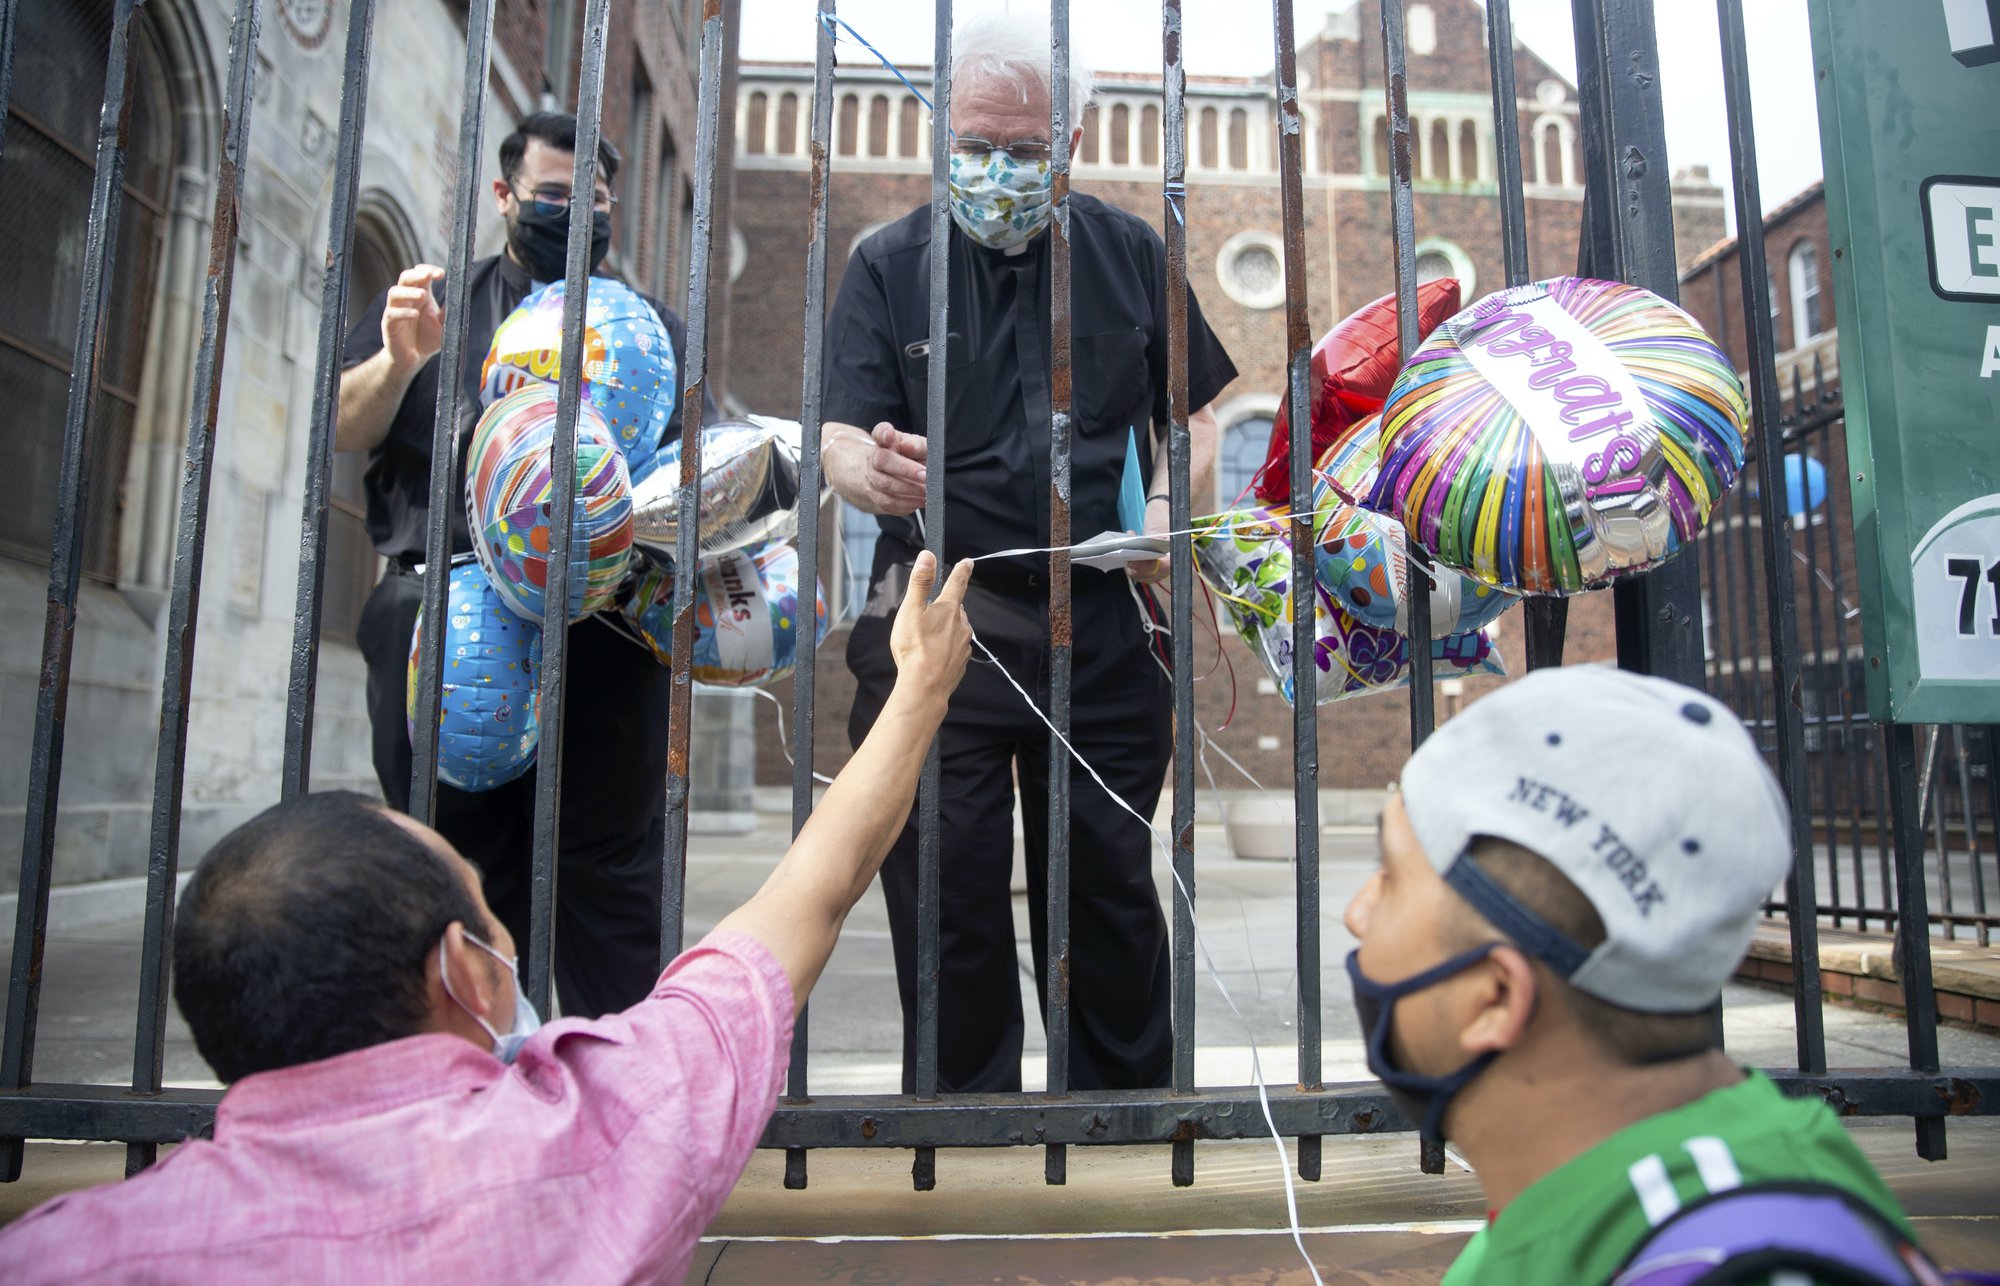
{"x": 629, "y": 370}
{"x": 487, "y": 718}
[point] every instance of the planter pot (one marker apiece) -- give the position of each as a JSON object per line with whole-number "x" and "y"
{"x": 1262, "y": 828}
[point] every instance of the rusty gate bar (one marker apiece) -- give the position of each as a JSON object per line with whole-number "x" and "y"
{"x": 1403, "y": 220}
{"x": 923, "y": 1167}
{"x": 1800, "y": 885}
{"x": 1628, "y": 219}
{"x": 811, "y": 397}
{"x": 1180, "y": 504}
{"x": 184, "y": 601}
{"x": 1543, "y": 617}
{"x": 562, "y": 512}
{"x": 45, "y": 753}
{"x": 1055, "y": 1160}
{"x": 694, "y": 388}
{"x": 1305, "y": 695}
{"x": 444, "y": 429}
{"x": 1913, "y": 934}
{"x": 304, "y": 684}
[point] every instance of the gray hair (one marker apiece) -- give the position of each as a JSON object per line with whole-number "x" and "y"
{"x": 1014, "y": 47}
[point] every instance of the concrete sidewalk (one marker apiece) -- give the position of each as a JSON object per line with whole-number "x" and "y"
{"x": 1375, "y": 1215}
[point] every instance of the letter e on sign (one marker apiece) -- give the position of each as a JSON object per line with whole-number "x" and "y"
{"x": 1962, "y": 235}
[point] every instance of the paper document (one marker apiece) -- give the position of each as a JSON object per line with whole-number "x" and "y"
{"x": 1112, "y": 550}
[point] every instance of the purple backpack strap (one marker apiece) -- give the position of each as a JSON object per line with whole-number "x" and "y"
{"x": 1808, "y": 1228}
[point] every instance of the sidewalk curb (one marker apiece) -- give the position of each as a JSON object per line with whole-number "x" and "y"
{"x": 73, "y": 907}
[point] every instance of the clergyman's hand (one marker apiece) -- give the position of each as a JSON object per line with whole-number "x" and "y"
{"x": 1158, "y": 522}
{"x": 883, "y": 472}
{"x": 932, "y": 640}
{"x": 412, "y": 321}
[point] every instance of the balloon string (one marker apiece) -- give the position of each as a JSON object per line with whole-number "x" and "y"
{"x": 784, "y": 741}
{"x": 1208, "y": 960}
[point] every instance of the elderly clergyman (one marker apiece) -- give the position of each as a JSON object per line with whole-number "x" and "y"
{"x": 996, "y": 486}
{"x": 395, "y": 1111}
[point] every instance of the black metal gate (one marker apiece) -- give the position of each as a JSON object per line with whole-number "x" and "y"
{"x": 1627, "y": 235}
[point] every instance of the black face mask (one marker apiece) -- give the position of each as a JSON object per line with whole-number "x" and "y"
{"x": 1422, "y": 1099}
{"x": 541, "y": 241}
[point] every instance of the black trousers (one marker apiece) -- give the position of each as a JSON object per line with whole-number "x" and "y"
{"x": 614, "y": 782}
{"x": 1121, "y": 721}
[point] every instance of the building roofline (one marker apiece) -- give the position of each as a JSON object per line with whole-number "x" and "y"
{"x": 1814, "y": 191}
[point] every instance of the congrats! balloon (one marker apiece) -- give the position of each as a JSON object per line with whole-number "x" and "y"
{"x": 1554, "y": 437}
{"x": 510, "y": 489}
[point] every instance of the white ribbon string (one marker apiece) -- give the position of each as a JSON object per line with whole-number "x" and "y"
{"x": 1208, "y": 960}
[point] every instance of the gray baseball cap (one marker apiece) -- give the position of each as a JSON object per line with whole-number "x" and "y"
{"x": 1648, "y": 795}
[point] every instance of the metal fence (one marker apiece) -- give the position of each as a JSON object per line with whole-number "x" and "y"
{"x": 1627, "y": 235}
{"x": 1847, "y": 773}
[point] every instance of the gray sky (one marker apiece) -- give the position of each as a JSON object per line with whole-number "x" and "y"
{"x": 1233, "y": 38}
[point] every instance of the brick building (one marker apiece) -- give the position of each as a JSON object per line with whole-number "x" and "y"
{"x": 880, "y": 171}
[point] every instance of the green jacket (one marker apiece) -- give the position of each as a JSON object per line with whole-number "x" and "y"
{"x": 1580, "y": 1222}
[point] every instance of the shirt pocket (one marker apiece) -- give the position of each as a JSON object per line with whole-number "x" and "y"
{"x": 1113, "y": 382}
{"x": 971, "y": 421}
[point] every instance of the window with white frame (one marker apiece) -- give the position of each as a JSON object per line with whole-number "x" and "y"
{"x": 1437, "y": 257}
{"x": 1251, "y": 269}
{"x": 1805, "y": 293}
{"x": 1245, "y": 442}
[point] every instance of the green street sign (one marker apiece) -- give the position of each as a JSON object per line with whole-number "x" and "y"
{"x": 1909, "y": 111}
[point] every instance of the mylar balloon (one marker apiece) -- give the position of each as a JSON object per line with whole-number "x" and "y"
{"x": 1353, "y": 367}
{"x": 749, "y": 489}
{"x": 510, "y": 490}
{"x": 1246, "y": 557}
{"x": 1556, "y": 436}
{"x": 1362, "y": 560}
{"x": 745, "y": 615}
{"x": 629, "y": 371}
{"x": 487, "y": 729}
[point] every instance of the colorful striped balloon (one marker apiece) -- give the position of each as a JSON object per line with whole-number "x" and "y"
{"x": 510, "y": 487}
{"x": 1556, "y": 436}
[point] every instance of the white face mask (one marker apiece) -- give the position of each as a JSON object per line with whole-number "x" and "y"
{"x": 998, "y": 201}
{"x": 526, "y": 1020}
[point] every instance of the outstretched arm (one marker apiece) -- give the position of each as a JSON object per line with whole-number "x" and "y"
{"x": 799, "y": 911}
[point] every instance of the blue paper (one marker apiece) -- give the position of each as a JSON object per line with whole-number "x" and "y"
{"x": 1132, "y": 490}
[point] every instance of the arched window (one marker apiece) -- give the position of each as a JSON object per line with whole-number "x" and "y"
{"x": 1416, "y": 148}
{"x": 1441, "y": 167}
{"x": 755, "y": 113}
{"x": 1210, "y": 149}
{"x": 788, "y": 124}
{"x": 1240, "y": 454}
{"x": 45, "y": 184}
{"x": 1381, "y": 145}
{"x": 909, "y": 128}
{"x": 1468, "y": 152}
{"x": 1804, "y": 261}
{"x": 850, "y": 124}
{"x": 1149, "y": 135}
{"x": 1554, "y": 170}
{"x": 1121, "y": 135}
{"x": 1090, "y": 120}
{"x": 1239, "y": 139}
{"x": 878, "y": 126}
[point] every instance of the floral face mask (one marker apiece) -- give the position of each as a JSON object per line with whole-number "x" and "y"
{"x": 998, "y": 201}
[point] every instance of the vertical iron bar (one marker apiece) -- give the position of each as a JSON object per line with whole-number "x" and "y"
{"x": 680, "y": 711}
{"x": 1544, "y": 618}
{"x": 9, "y": 10}
{"x": 45, "y": 753}
{"x": 1403, "y": 218}
{"x": 184, "y": 599}
{"x": 1628, "y": 198}
{"x": 1932, "y": 791}
{"x": 304, "y": 685}
{"x": 444, "y": 428}
{"x": 1828, "y": 800}
{"x": 923, "y": 1167}
{"x": 1913, "y": 930}
{"x": 1725, "y": 538}
{"x": 1745, "y": 548}
{"x": 1180, "y": 507}
{"x": 1305, "y": 705}
{"x": 811, "y": 394}
{"x": 1801, "y": 885}
{"x": 1055, "y": 1162}
{"x": 1850, "y": 756}
{"x": 562, "y": 511}
{"x": 1984, "y": 931}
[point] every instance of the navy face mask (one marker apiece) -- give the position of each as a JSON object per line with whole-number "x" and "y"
{"x": 1423, "y": 1099}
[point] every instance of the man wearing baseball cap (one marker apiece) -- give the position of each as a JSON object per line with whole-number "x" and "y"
{"x": 1568, "y": 876}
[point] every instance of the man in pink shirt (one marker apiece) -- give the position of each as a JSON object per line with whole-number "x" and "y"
{"x": 395, "y": 1111}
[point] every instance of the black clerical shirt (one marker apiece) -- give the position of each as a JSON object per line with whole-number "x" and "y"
{"x": 398, "y": 481}
{"x": 998, "y": 379}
